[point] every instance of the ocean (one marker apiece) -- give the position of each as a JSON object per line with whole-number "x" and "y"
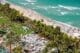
{"x": 66, "y": 11}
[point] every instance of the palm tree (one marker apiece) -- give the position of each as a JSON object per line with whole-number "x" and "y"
{"x": 11, "y": 38}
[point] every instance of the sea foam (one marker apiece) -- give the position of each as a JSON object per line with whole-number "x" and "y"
{"x": 63, "y": 13}
{"x": 69, "y": 7}
{"x": 31, "y": 0}
{"x": 24, "y": 3}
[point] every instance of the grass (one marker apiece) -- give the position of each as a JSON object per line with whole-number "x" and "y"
{"x": 16, "y": 27}
{"x": 4, "y": 20}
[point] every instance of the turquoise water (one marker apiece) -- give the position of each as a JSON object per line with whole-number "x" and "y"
{"x": 67, "y": 11}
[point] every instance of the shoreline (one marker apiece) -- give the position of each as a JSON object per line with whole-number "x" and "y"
{"x": 31, "y": 14}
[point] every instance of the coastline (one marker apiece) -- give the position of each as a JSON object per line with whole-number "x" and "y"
{"x": 71, "y": 30}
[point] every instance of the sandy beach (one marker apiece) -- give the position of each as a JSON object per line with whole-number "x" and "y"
{"x": 74, "y": 31}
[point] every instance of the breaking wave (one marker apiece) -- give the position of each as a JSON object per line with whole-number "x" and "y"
{"x": 24, "y": 4}
{"x": 69, "y": 7}
{"x": 31, "y": 0}
{"x": 61, "y": 10}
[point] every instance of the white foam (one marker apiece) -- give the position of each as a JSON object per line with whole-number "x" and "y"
{"x": 31, "y": 0}
{"x": 60, "y": 9}
{"x": 63, "y": 13}
{"x": 43, "y": 7}
{"x": 32, "y": 3}
{"x": 60, "y": 5}
{"x": 69, "y": 7}
{"x": 64, "y": 7}
{"x": 77, "y": 13}
{"x": 24, "y": 3}
{"x": 46, "y": 7}
{"x": 53, "y": 7}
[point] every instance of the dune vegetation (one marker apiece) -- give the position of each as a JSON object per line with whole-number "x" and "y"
{"x": 12, "y": 22}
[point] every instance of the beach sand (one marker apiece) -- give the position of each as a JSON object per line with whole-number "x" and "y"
{"x": 70, "y": 30}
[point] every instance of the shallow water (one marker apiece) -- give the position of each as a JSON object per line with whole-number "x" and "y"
{"x": 67, "y": 11}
